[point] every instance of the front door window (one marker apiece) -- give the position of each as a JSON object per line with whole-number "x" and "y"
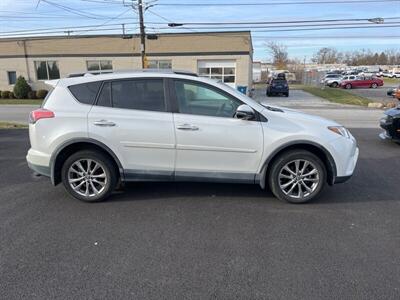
{"x": 196, "y": 99}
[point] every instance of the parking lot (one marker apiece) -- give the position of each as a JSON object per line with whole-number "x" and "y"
{"x": 197, "y": 241}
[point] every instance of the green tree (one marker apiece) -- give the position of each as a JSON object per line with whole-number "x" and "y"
{"x": 21, "y": 88}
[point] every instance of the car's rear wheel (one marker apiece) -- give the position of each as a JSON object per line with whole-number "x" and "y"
{"x": 89, "y": 176}
{"x": 334, "y": 84}
{"x": 348, "y": 86}
{"x": 297, "y": 176}
{"x": 287, "y": 94}
{"x": 374, "y": 85}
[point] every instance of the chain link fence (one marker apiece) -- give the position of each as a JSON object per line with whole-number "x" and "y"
{"x": 313, "y": 78}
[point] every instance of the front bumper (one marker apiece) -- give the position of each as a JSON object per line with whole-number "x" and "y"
{"x": 345, "y": 153}
{"x": 391, "y": 127}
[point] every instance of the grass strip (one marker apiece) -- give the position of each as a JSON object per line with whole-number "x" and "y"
{"x": 21, "y": 101}
{"x": 11, "y": 125}
{"x": 336, "y": 95}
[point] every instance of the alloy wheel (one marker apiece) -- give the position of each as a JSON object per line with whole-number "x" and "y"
{"x": 87, "y": 177}
{"x": 299, "y": 178}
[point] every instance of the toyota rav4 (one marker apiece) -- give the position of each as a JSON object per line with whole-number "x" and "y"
{"x": 93, "y": 133}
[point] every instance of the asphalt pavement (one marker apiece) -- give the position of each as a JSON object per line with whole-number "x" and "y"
{"x": 201, "y": 241}
{"x": 16, "y": 113}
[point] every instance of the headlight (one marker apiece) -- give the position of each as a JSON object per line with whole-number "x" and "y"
{"x": 340, "y": 130}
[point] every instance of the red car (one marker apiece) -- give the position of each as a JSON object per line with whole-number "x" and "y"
{"x": 362, "y": 82}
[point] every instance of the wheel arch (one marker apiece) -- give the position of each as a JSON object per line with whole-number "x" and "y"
{"x": 315, "y": 148}
{"x": 64, "y": 150}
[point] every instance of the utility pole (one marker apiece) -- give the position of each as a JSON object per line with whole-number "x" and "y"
{"x": 142, "y": 34}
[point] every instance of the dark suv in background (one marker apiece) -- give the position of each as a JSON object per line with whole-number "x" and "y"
{"x": 277, "y": 86}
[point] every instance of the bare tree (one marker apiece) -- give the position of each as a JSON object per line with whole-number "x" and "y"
{"x": 327, "y": 56}
{"x": 279, "y": 54}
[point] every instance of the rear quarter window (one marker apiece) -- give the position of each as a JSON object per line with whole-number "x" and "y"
{"x": 86, "y": 92}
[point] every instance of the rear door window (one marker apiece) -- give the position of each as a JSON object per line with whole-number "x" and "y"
{"x": 105, "y": 95}
{"x": 85, "y": 92}
{"x": 141, "y": 94}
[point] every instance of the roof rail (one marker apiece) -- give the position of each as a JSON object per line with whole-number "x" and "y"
{"x": 161, "y": 71}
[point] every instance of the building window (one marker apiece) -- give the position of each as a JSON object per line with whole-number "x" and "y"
{"x": 46, "y": 70}
{"x": 159, "y": 64}
{"x": 225, "y": 74}
{"x": 12, "y": 77}
{"x": 99, "y": 66}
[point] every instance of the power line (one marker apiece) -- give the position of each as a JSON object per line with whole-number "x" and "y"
{"x": 112, "y": 19}
{"x": 281, "y": 26}
{"x": 279, "y": 22}
{"x": 72, "y": 10}
{"x": 63, "y": 28}
{"x": 64, "y": 31}
{"x": 273, "y": 3}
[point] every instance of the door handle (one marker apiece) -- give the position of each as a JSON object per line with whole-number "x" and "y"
{"x": 187, "y": 127}
{"x": 104, "y": 123}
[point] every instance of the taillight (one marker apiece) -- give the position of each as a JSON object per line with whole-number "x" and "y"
{"x": 40, "y": 113}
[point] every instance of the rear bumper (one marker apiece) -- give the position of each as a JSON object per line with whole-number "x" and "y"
{"x": 279, "y": 90}
{"x": 342, "y": 179}
{"x": 39, "y": 162}
{"x": 42, "y": 170}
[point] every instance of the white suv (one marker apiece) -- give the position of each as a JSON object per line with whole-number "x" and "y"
{"x": 96, "y": 132}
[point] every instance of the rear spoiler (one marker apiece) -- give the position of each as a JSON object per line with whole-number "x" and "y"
{"x": 52, "y": 83}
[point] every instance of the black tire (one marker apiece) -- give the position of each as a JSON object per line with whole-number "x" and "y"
{"x": 374, "y": 85}
{"x": 287, "y": 94}
{"x": 348, "y": 86}
{"x": 288, "y": 158}
{"x": 105, "y": 163}
{"x": 334, "y": 85}
{"x": 268, "y": 94}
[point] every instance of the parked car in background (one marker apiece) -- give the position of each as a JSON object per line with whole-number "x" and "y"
{"x": 395, "y": 74}
{"x": 332, "y": 80}
{"x": 392, "y": 92}
{"x": 386, "y": 74}
{"x": 278, "y": 86}
{"x": 397, "y": 93}
{"x": 391, "y": 124}
{"x": 349, "y": 77}
{"x": 93, "y": 132}
{"x": 362, "y": 82}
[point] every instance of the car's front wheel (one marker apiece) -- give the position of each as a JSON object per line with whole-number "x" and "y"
{"x": 334, "y": 84}
{"x": 89, "y": 176}
{"x": 297, "y": 176}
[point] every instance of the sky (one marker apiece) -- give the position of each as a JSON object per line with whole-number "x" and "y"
{"x": 22, "y": 15}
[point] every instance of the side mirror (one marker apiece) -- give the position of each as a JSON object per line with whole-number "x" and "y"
{"x": 245, "y": 112}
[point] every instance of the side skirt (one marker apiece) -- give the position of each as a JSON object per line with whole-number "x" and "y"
{"x": 183, "y": 176}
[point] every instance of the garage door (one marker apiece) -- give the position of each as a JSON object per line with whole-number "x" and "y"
{"x": 224, "y": 70}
